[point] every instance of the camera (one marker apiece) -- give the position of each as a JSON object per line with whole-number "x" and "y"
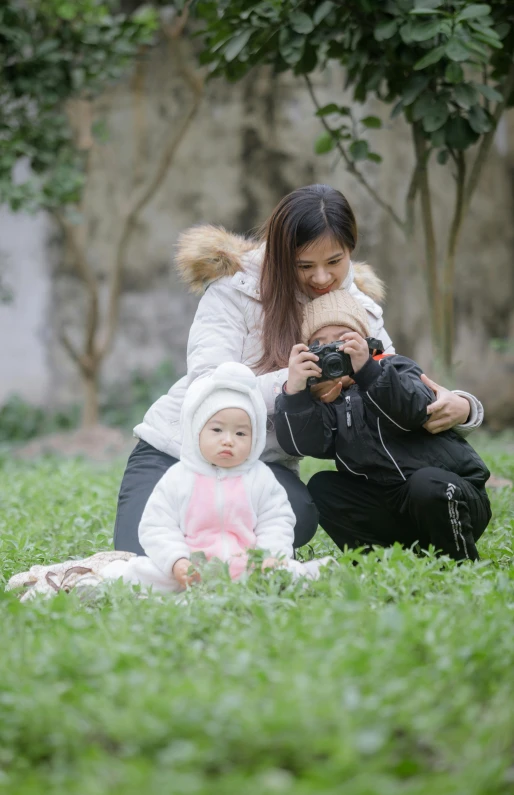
{"x": 335, "y": 363}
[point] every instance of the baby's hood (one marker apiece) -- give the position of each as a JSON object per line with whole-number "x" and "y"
{"x": 231, "y": 385}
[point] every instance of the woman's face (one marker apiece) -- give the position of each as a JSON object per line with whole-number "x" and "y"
{"x": 323, "y": 266}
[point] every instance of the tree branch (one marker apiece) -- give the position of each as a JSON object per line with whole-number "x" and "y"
{"x": 485, "y": 144}
{"x": 448, "y": 280}
{"x": 72, "y": 234}
{"x": 352, "y": 168}
{"x": 70, "y": 348}
{"x": 429, "y": 233}
{"x": 196, "y": 83}
{"x": 410, "y": 202}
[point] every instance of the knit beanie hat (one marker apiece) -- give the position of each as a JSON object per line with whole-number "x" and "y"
{"x": 337, "y": 308}
{"x": 218, "y": 400}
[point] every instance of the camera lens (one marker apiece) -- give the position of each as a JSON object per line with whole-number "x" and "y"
{"x": 333, "y": 366}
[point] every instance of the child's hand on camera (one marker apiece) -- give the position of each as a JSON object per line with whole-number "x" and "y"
{"x": 302, "y": 365}
{"x": 357, "y": 347}
{"x": 184, "y": 573}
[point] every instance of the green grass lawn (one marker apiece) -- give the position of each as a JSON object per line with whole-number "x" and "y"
{"x": 393, "y": 676}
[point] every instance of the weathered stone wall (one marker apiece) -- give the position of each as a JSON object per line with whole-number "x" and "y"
{"x": 249, "y": 145}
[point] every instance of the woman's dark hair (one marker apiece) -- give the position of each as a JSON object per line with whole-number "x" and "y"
{"x": 298, "y": 220}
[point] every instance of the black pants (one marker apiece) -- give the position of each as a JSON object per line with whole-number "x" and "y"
{"x": 431, "y": 507}
{"x": 145, "y": 468}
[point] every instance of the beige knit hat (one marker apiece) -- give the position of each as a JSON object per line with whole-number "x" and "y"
{"x": 337, "y": 308}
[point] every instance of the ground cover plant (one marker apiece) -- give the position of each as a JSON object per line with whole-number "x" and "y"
{"x": 392, "y": 676}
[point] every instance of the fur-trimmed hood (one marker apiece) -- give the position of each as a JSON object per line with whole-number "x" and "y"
{"x": 206, "y": 253}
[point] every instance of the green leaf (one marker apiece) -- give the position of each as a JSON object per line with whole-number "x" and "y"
{"x": 454, "y": 73}
{"x": 376, "y": 158}
{"x": 456, "y": 50}
{"x": 322, "y": 11}
{"x": 237, "y": 44}
{"x": 422, "y": 31}
{"x": 465, "y": 95}
{"x": 442, "y": 156}
{"x": 503, "y": 29}
{"x": 398, "y": 109}
{"x": 423, "y": 10}
{"x": 425, "y": 6}
{"x": 458, "y": 133}
{"x": 327, "y": 109}
{"x": 488, "y": 92}
{"x": 359, "y": 150}
{"x": 474, "y": 11}
{"x": 430, "y": 58}
{"x": 372, "y": 122}
{"x": 325, "y": 143}
{"x": 67, "y": 11}
{"x": 436, "y": 118}
{"x": 301, "y": 22}
{"x": 78, "y": 78}
{"x": 415, "y": 85}
{"x": 385, "y": 30}
{"x": 437, "y": 138}
{"x": 432, "y": 110}
{"x": 479, "y": 120}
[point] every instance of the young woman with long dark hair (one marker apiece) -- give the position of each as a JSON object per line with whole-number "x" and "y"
{"x": 253, "y": 293}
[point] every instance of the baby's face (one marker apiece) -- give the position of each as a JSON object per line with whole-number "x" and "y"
{"x": 226, "y": 439}
{"x": 324, "y": 336}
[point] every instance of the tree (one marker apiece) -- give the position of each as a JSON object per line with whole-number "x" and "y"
{"x": 446, "y": 67}
{"x": 57, "y": 58}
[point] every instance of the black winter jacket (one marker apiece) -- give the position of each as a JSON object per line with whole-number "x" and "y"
{"x": 374, "y": 429}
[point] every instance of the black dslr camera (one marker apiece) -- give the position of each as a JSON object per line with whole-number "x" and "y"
{"x": 335, "y": 363}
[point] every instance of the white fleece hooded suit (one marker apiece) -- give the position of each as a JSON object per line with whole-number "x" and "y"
{"x": 197, "y": 506}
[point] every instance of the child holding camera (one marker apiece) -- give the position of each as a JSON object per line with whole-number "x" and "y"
{"x": 395, "y": 481}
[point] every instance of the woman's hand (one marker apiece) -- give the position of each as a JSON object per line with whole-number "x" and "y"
{"x": 180, "y": 572}
{"x": 447, "y": 410}
{"x": 357, "y": 347}
{"x": 328, "y": 391}
{"x": 302, "y": 365}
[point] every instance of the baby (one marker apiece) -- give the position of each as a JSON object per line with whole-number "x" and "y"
{"x": 219, "y": 499}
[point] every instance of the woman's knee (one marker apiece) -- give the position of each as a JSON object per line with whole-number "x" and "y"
{"x": 307, "y": 519}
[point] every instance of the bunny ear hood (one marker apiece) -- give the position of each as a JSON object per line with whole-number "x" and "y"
{"x": 206, "y": 253}
{"x": 231, "y": 385}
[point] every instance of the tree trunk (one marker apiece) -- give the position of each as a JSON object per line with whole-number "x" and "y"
{"x": 427, "y": 220}
{"x": 448, "y": 280}
{"x": 90, "y": 409}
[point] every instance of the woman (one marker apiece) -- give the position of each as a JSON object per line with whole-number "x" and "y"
{"x": 252, "y": 313}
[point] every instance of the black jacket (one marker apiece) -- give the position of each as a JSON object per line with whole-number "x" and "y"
{"x": 374, "y": 429}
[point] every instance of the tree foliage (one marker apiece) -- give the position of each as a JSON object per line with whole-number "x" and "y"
{"x": 445, "y": 66}
{"x": 439, "y": 63}
{"x": 52, "y": 51}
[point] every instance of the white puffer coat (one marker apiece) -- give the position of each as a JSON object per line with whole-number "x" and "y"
{"x": 227, "y": 328}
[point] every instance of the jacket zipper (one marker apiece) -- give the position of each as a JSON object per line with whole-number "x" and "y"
{"x": 348, "y": 411}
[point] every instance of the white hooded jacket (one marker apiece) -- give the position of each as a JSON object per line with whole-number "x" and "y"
{"x": 220, "y": 511}
{"x": 227, "y": 328}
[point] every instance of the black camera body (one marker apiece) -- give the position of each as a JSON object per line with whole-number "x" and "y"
{"x": 335, "y": 363}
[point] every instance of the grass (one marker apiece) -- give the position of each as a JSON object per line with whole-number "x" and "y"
{"x": 391, "y": 677}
